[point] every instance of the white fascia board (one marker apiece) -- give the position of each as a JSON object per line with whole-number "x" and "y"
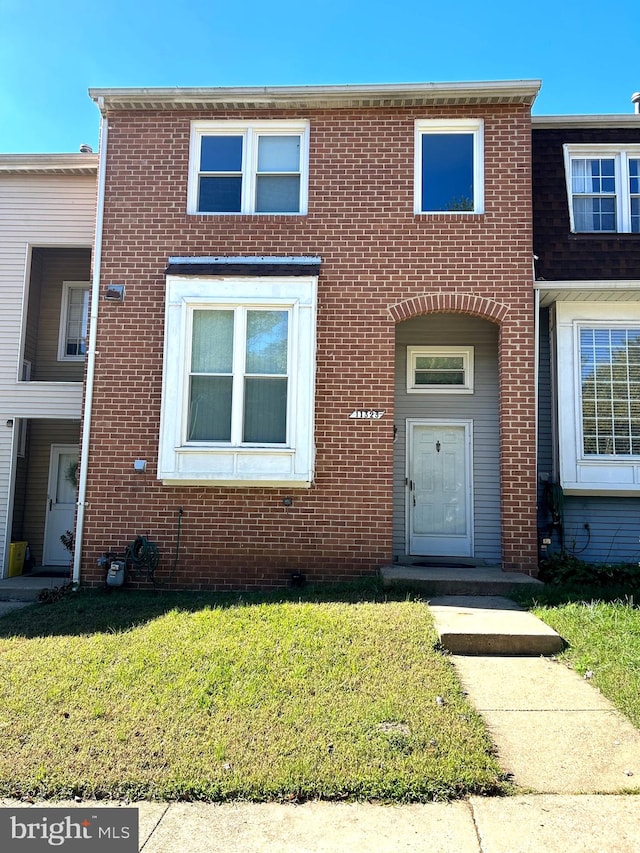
{"x": 585, "y": 121}
{"x": 388, "y": 94}
{"x": 42, "y": 163}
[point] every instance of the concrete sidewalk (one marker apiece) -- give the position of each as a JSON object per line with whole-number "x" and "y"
{"x": 522, "y": 824}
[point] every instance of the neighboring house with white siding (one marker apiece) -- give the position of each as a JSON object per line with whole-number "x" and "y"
{"x": 47, "y": 220}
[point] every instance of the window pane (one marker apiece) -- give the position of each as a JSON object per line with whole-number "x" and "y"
{"x": 221, "y": 154}
{"x": 220, "y": 195}
{"x": 212, "y": 344}
{"x": 267, "y": 338}
{"x": 210, "y": 408}
{"x": 265, "y": 410}
{"x": 439, "y": 362}
{"x": 278, "y": 193}
{"x": 65, "y": 489}
{"x": 635, "y": 215}
{"x": 439, "y": 377}
{"x": 610, "y": 414}
{"x": 279, "y": 154}
{"x": 447, "y": 172}
{"x": 593, "y": 176}
{"x": 77, "y": 321}
{"x": 594, "y": 214}
{"x": 634, "y": 176}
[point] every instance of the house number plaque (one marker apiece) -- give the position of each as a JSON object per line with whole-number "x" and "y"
{"x": 367, "y": 414}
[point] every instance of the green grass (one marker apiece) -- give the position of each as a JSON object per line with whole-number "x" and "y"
{"x": 603, "y": 638}
{"x": 289, "y": 696}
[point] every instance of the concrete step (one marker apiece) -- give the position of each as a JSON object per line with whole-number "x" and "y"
{"x": 447, "y": 580}
{"x": 28, "y": 588}
{"x": 491, "y": 625}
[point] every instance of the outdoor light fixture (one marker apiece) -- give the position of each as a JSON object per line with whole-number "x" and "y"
{"x": 114, "y": 293}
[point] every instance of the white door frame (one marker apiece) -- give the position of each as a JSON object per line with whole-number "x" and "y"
{"x": 55, "y": 452}
{"x": 467, "y": 424}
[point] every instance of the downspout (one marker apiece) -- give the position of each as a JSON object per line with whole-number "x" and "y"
{"x": 91, "y": 354}
{"x": 536, "y": 392}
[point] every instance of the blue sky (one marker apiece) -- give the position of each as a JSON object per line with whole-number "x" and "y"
{"x": 586, "y": 53}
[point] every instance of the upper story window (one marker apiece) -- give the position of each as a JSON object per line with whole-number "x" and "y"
{"x": 603, "y": 183}
{"x": 248, "y": 167}
{"x": 449, "y": 166}
{"x": 74, "y": 321}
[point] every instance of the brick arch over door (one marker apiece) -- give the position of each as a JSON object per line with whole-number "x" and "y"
{"x": 517, "y": 412}
{"x": 450, "y": 303}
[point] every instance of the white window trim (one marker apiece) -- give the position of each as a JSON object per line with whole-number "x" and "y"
{"x": 223, "y": 463}
{"x": 68, "y": 286}
{"x": 580, "y": 473}
{"x": 473, "y": 126}
{"x": 250, "y": 130}
{"x": 621, "y": 155}
{"x": 466, "y": 352}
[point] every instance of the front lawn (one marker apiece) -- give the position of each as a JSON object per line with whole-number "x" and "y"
{"x": 336, "y": 695}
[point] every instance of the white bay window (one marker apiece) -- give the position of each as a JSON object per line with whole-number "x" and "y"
{"x": 238, "y": 384}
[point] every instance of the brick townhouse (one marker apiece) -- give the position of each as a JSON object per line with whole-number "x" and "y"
{"x": 312, "y": 331}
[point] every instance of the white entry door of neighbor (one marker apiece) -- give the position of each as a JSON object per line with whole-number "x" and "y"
{"x": 440, "y": 500}
{"x": 61, "y": 503}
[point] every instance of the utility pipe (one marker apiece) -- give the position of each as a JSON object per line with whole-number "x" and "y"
{"x": 91, "y": 354}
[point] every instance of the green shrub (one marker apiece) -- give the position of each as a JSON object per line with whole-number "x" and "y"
{"x": 567, "y": 570}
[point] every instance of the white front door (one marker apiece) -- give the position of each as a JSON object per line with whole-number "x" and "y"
{"x": 61, "y": 503}
{"x": 439, "y": 489}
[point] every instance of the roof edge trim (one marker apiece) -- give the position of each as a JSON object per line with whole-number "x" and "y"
{"x": 82, "y": 164}
{"x": 388, "y": 94}
{"x": 602, "y": 120}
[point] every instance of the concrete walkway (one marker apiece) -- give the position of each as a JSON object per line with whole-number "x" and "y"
{"x": 554, "y": 732}
{"x": 523, "y": 824}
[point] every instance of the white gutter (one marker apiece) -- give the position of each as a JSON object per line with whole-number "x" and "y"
{"x": 385, "y": 94}
{"x": 91, "y": 355}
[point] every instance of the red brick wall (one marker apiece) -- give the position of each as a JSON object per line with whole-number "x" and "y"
{"x": 377, "y": 256}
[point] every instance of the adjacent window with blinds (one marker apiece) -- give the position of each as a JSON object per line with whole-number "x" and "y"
{"x": 74, "y": 321}
{"x": 604, "y": 188}
{"x": 239, "y": 381}
{"x": 248, "y": 167}
{"x": 597, "y": 390}
{"x": 439, "y": 370}
{"x": 610, "y": 390}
